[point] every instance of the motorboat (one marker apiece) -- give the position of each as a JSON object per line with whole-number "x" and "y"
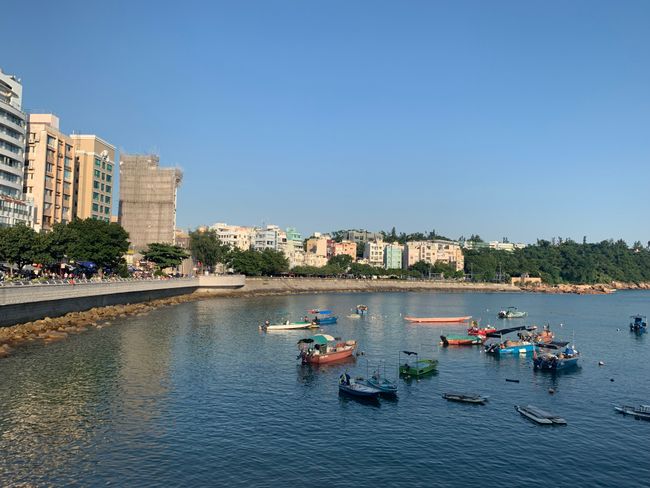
{"x": 416, "y": 367}
{"x": 267, "y": 327}
{"x": 510, "y": 347}
{"x": 639, "y": 411}
{"x": 351, "y": 386}
{"x": 639, "y": 323}
{"x": 324, "y": 348}
{"x": 556, "y": 361}
{"x": 511, "y": 313}
{"x": 465, "y": 398}
{"x": 540, "y": 416}
{"x": 461, "y": 339}
{"x": 362, "y": 309}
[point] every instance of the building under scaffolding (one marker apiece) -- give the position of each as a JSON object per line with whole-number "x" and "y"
{"x": 147, "y": 200}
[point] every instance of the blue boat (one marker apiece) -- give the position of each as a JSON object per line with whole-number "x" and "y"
{"x": 351, "y": 387}
{"x": 510, "y": 347}
{"x": 556, "y": 361}
{"x": 639, "y": 324}
{"x": 322, "y": 317}
{"x": 362, "y": 310}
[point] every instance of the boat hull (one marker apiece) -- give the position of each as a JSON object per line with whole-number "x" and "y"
{"x": 386, "y": 387}
{"x": 329, "y": 357}
{"x": 420, "y": 367}
{"x": 509, "y": 350}
{"x": 463, "y": 398}
{"x": 557, "y": 365}
{"x": 637, "y": 412}
{"x": 461, "y": 340}
{"x": 358, "y": 390}
{"x": 437, "y": 320}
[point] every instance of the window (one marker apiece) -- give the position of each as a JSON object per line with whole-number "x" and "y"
{"x": 101, "y": 198}
{"x": 95, "y": 196}
{"x": 67, "y": 162}
{"x": 96, "y": 185}
{"x": 103, "y": 176}
{"x": 103, "y": 164}
{"x": 107, "y": 199}
{"x": 109, "y": 178}
{"x": 102, "y": 186}
{"x": 67, "y": 174}
{"x": 108, "y": 188}
{"x": 97, "y": 173}
{"x": 51, "y": 141}
{"x": 68, "y": 149}
{"x": 95, "y": 207}
{"x": 107, "y": 210}
{"x": 66, "y": 186}
{"x": 109, "y": 168}
{"x": 98, "y": 163}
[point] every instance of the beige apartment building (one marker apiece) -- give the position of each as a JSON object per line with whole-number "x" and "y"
{"x": 49, "y": 171}
{"x": 431, "y": 252}
{"x": 373, "y": 252}
{"x": 235, "y": 236}
{"x": 147, "y": 208}
{"x": 94, "y": 177}
{"x": 317, "y": 245}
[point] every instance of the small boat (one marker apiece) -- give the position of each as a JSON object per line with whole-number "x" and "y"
{"x": 465, "y": 398}
{"x": 323, "y": 348}
{"x": 556, "y": 361}
{"x": 546, "y": 336}
{"x": 417, "y": 367}
{"x": 639, "y": 324}
{"x": 640, "y": 411}
{"x": 350, "y": 386}
{"x": 321, "y": 317}
{"x": 461, "y": 340}
{"x": 379, "y": 381}
{"x": 286, "y": 326}
{"x": 540, "y": 416}
{"x": 437, "y": 320}
{"x": 510, "y": 347}
{"x": 474, "y": 329}
{"x": 362, "y": 310}
{"x": 511, "y": 313}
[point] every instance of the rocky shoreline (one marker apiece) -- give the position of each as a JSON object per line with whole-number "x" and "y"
{"x": 596, "y": 289}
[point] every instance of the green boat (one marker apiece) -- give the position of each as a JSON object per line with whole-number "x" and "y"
{"x": 417, "y": 367}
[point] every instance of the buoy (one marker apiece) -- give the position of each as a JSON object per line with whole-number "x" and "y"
{"x": 611, "y": 379}
{"x": 601, "y": 363}
{"x": 551, "y": 391}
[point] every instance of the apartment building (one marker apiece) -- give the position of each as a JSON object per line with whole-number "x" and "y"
{"x": 49, "y": 172}
{"x": 270, "y": 237}
{"x": 235, "y": 236}
{"x": 94, "y": 179}
{"x": 431, "y": 252}
{"x": 362, "y": 236}
{"x": 348, "y": 248}
{"x": 15, "y": 207}
{"x": 318, "y": 245}
{"x": 393, "y": 256}
{"x": 373, "y": 252}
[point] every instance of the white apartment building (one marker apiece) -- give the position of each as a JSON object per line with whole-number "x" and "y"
{"x": 270, "y": 237}
{"x": 431, "y": 252}
{"x": 373, "y": 252}
{"x": 235, "y": 236}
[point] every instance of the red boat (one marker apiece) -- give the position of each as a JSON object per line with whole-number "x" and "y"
{"x": 475, "y": 330}
{"x": 437, "y": 320}
{"x": 323, "y": 348}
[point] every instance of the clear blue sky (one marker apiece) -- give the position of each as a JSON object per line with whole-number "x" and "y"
{"x": 517, "y": 118}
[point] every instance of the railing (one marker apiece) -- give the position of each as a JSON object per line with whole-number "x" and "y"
{"x": 82, "y": 281}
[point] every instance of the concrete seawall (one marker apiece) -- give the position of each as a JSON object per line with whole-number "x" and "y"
{"x": 32, "y": 302}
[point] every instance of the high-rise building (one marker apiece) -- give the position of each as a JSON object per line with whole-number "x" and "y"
{"x": 15, "y": 208}
{"x": 49, "y": 173}
{"x": 94, "y": 170}
{"x": 432, "y": 252}
{"x": 147, "y": 209}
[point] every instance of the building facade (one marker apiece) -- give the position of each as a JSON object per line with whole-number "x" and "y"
{"x": 362, "y": 236}
{"x": 270, "y": 237}
{"x": 94, "y": 171}
{"x": 393, "y": 256}
{"x": 348, "y": 248}
{"x": 317, "y": 245}
{"x": 373, "y": 252}
{"x": 147, "y": 208}
{"x": 49, "y": 172}
{"x": 15, "y": 207}
{"x": 431, "y": 252}
{"x": 235, "y": 236}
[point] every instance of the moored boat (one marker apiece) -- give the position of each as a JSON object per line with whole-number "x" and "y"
{"x": 323, "y": 348}
{"x": 461, "y": 339}
{"x": 350, "y": 386}
{"x": 266, "y": 326}
{"x": 540, "y": 416}
{"x": 556, "y": 361}
{"x": 474, "y": 329}
{"x": 546, "y": 336}
{"x": 639, "y": 411}
{"x": 437, "y": 320}
{"x": 639, "y": 323}
{"x": 379, "y": 380}
{"x": 417, "y": 367}
{"x": 511, "y": 313}
{"x": 465, "y": 398}
{"x": 362, "y": 309}
{"x": 510, "y": 347}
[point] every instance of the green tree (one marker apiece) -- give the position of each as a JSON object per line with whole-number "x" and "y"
{"x": 18, "y": 245}
{"x": 104, "y": 243}
{"x": 207, "y": 249}
{"x": 165, "y": 255}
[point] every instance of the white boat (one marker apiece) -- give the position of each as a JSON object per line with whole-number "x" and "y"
{"x": 640, "y": 411}
{"x": 540, "y": 416}
{"x": 287, "y": 326}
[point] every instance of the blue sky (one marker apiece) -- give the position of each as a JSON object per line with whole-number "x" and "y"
{"x": 503, "y": 118}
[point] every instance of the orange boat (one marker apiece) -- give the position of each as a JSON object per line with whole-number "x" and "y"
{"x": 437, "y": 320}
{"x": 323, "y": 348}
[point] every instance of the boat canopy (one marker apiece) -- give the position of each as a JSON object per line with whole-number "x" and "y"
{"x": 410, "y": 353}
{"x": 553, "y": 345}
{"x": 323, "y": 338}
{"x": 500, "y": 332}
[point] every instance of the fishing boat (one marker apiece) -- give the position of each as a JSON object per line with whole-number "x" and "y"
{"x": 465, "y": 398}
{"x": 461, "y": 339}
{"x": 322, "y": 317}
{"x": 437, "y": 320}
{"x": 323, "y": 348}
{"x": 350, "y": 386}
{"x": 546, "y": 336}
{"x": 556, "y": 361}
{"x": 417, "y": 367}
{"x": 379, "y": 381}
{"x": 639, "y": 324}
{"x": 540, "y": 416}
{"x": 511, "y": 313}
{"x": 640, "y": 411}
{"x": 474, "y": 329}
{"x": 510, "y": 347}
{"x": 362, "y": 309}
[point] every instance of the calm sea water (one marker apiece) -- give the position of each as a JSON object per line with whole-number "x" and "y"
{"x": 195, "y": 395}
